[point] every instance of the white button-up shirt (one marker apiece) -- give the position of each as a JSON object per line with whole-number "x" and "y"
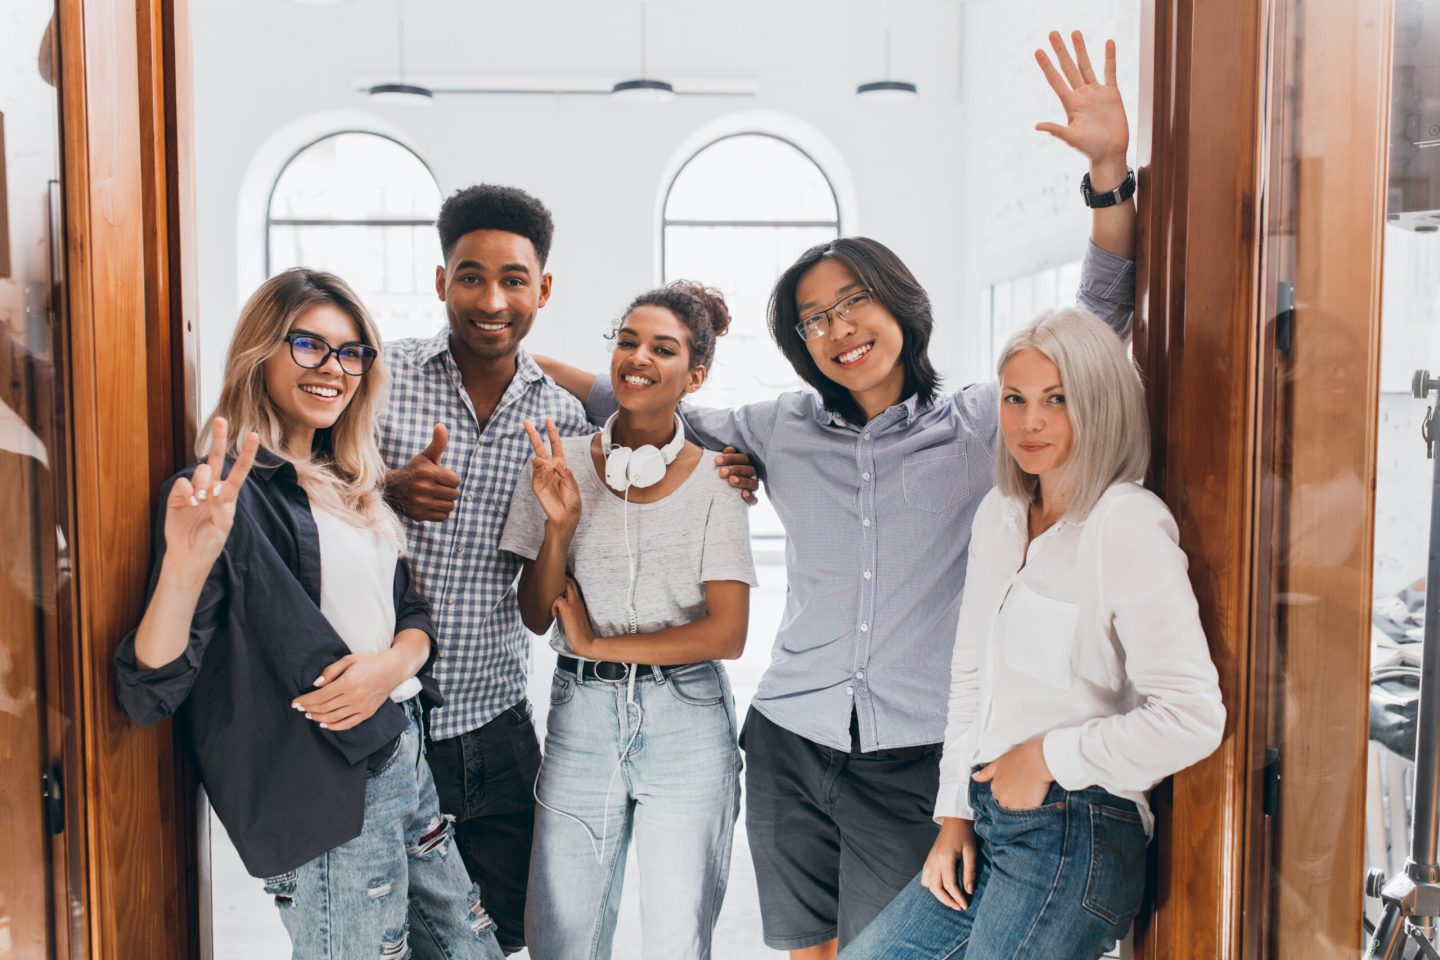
{"x": 1092, "y": 641}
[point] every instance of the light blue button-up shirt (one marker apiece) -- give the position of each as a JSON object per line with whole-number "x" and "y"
{"x": 877, "y": 527}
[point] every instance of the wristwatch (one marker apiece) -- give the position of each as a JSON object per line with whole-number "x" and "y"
{"x": 1109, "y": 198}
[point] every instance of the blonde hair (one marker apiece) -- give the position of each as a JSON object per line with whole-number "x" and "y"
{"x": 344, "y": 473}
{"x": 1105, "y": 401}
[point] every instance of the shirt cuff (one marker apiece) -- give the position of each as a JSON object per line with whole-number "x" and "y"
{"x": 953, "y": 800}
{"x": 1062, "y": 755}
{"x": 601, "y": 401}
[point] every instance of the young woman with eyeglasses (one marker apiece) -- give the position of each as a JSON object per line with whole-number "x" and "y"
{"x": 643, "y": 555}
{"x": 1080, "y": 676}
{"x": 284, "y": 632}
{"x": 876, "y": 476}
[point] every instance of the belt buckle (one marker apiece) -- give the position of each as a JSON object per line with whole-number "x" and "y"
{"x": 609, "y": 666}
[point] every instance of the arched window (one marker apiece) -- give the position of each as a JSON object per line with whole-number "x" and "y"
{"x": 363, "y": 206}
{"x": 739, "y": 212}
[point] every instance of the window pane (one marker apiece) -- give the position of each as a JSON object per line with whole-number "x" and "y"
{"x": 391, "y": 268}
{"x": 751, "y": 177}
{"x": 356, "y": 176}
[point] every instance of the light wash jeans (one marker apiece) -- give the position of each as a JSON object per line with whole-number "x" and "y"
{"x": 656, "y": 762}
{"x": 1062, "y": 881}
{"x": 396, "y": 891}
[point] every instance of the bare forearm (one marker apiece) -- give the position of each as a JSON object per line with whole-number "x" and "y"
{"x": 1112, "y": 228}
{"x": 410, "y": 651}
{"x": 544, "y": 579}
{"x": 164, "y": 630}
{"x": 709, "y": 638}
{"x": 571, "y": 379}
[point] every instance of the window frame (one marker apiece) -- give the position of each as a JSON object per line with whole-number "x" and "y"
{"x": 273, "y": 221}
{"x": 666, "y": 222}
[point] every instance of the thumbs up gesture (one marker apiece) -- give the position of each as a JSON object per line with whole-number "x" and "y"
{"x": 423, "y": 488}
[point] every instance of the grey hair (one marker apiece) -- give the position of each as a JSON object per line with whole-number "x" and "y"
{"x": 1105, "y": 401}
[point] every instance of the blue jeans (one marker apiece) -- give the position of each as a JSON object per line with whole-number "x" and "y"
{"x": 656, "y": 762}
{"x": 398, "y": 890}
{"x": 1062, "y": 881}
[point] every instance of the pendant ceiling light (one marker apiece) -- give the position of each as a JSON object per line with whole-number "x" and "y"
{"x": 644, "y": 89}
{"x": 400, "y": 92}
{"x": 888, "y": 89}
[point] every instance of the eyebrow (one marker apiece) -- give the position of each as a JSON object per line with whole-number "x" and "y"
{"x": 504, "y": 267}
{"x": 658, "y": 336}
{"x": 812, "y": 304}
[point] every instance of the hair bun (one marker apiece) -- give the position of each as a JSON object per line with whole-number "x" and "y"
{"x": 713, "y": 300}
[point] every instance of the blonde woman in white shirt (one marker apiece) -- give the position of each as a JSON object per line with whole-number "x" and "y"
{"x": 1081, "y": 676}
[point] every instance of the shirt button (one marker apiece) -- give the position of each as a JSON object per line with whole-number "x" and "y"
{"x": 864, "y": 628}
{"x": 449, "y": 601}
{"x": 867, "y": 576}
{"x": 469, "y": 498}
{"x": 850, "y": 691}
{"x": 865, "y": 476}
{"x": 459, "y": 551}
{"x": 859, "y": 674}
{"x": 867, "y": 521}
{"x": 440, "y": 655}
{"x": 867, "y": 436}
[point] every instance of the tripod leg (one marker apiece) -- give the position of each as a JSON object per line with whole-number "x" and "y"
{"x": 1389, "y": 940}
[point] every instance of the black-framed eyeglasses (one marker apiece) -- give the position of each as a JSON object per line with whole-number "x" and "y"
{"x": 310, "y": 352}
{"x": 848, "y": 306}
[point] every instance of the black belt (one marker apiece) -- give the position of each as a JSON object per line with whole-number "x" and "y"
{"x": 614, "y": 672}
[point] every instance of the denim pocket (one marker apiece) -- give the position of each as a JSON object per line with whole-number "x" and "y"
{"x": 1054, "y": 802}
{"x": 378, "y": 769}
{"x": 282, "y": 888}
{"x": 699, "y": 686}
{"x": 1117, "y": 864}
{"x": 935, "y": 479}
{"x": 562, "y": 688}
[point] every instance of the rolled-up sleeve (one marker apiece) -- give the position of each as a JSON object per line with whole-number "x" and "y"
{"x": 1179, "y": 718}
{"x": 149, "y": 695}
{"x": 1107, "y": 288}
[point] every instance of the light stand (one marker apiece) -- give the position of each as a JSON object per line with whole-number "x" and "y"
{"x": 1412, "y": 899}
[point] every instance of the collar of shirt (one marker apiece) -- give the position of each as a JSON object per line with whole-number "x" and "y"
{"x": 526, "y": 369}
{"x": 909, "y": 408}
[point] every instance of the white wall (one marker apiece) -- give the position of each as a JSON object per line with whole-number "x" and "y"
{"x": 957, "y": 182}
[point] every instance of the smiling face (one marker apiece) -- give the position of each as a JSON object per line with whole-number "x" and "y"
{"x": 861, "y": 352}
{"x": 492, "y": 285}
{"x": 310, "y": 400}
{"x": 650, "y": 365}
{"x": 1033, "y": 417}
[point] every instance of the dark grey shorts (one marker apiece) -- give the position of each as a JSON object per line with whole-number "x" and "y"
{"x": 834, "y": 835}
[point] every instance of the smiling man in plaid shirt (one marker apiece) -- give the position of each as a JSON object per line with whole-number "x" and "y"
{"x": 453, "y": 438}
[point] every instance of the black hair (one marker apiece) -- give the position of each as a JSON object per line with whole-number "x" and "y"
{"x": 700, "y": 309}
{"x": 892, "y": 284}
{"x": 486, "y": 206}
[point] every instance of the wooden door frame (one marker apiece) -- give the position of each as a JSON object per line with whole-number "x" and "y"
{"x": 1205, "y": 338}
{"x": 128, "y": 189}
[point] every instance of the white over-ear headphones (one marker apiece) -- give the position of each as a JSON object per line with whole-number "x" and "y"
{"x": 643, "y": 466}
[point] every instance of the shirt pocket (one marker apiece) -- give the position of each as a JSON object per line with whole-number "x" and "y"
{"x": 935, "y": 479}
{"x": 1040, "y": 636}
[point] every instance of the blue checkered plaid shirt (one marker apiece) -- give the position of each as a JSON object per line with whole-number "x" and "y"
{"x": 484, "y": 649}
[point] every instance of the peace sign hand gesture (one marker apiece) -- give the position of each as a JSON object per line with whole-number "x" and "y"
{"x": 201, "y": 509}
{"x": 1095, "y": 121}
{"x": 554, "y": 485}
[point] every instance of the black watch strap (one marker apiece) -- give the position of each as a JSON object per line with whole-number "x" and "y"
{"x": 1120, "y": 194}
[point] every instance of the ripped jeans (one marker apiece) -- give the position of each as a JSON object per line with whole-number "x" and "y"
{"x": 399, "y": 889}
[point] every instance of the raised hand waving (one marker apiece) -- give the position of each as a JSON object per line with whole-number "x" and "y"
{"x": 1095, "y": 121}
{"x": 554, "y": 485}
{"x": 200, "y": 510}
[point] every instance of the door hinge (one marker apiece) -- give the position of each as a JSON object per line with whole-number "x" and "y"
{"x": 52, "y": 796}
{"x": 1284, "y": 316}
{"x": 1271, "y": 802}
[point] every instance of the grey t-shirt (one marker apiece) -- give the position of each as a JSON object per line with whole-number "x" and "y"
{"x": 699, "y": 532}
